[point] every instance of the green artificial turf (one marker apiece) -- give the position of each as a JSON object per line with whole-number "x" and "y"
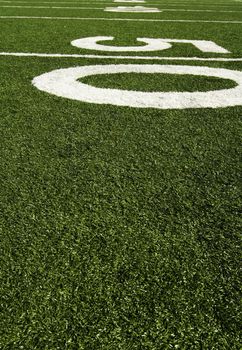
{"x": 119, "y": 227}
{"x": 158, "y": 82}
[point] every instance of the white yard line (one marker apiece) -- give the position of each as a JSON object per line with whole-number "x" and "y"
{"x": 102, "y": 3}
{"x": 29, "y": 3}
{"x": 52, "y": 7}
{"x": 122, "y": 19}
{"x": 110, "y": 2}
{"x": 203, "y": 10}
{"x": 102, "y": 8}
{"x": 164, "y": 58}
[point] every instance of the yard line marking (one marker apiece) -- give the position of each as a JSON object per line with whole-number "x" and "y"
{"x": 123, "y": 19}
{"x": 162, "y": 58}
{"x": 118, "y": 9}
{"x": 52, "y": 7}
{"x": 103, "y": 2}
{"x": 203, "y": 10}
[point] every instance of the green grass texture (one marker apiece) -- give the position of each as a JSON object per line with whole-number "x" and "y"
{"x": 119, "y": 227}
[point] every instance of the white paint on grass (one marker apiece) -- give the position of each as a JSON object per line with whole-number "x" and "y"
{"x": 202, "y": 45}
{"x": 50, "y": 18}
{"x": 146, "y": 58}
{"x": 64, "y": 83}
{"x": 202, "y": 10}
{"x": 52, "y": 7}
{"x": 133, "y": 9}
{"x": 91, "y": 43}
{"x": 101, "y": 8}
{"x": 105, "y": 3}
{"x": 173, "y": 3}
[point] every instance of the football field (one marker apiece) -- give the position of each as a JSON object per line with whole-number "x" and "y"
{"x": 120, "y": 170}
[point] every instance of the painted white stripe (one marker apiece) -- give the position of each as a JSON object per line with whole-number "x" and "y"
{"x": 214, "y": 8}
{"x": 121, "y": 19}
{"x": 202, "y": 10}
{"x": 184, "y": 3}
{"x": 163, "y": 58}
{"x": 102, "y": 8}
{"x": 52, "y": 7}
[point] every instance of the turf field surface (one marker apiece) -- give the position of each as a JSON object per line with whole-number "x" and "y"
{"x": 119, "y": 226}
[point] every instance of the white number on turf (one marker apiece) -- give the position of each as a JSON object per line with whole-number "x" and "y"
{"x": 91, "y": 44}
{"x": 64, "y": 83}
{"x": 132, "y": 9}
{"x": 152, "y": 45}
{"x": 202, "y": 45}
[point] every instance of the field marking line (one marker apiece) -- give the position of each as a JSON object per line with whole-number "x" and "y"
{"x": 110, "y": 2}
{"x": 118, "y": 9}
{"x": 162, "y": 58}
{"x": 132, "y": 9}
{"x": 16, "y": 4}
{"x": 123, "y": 19}
{"x": 52, "y": 7}
{"x": 203, "y": 10}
